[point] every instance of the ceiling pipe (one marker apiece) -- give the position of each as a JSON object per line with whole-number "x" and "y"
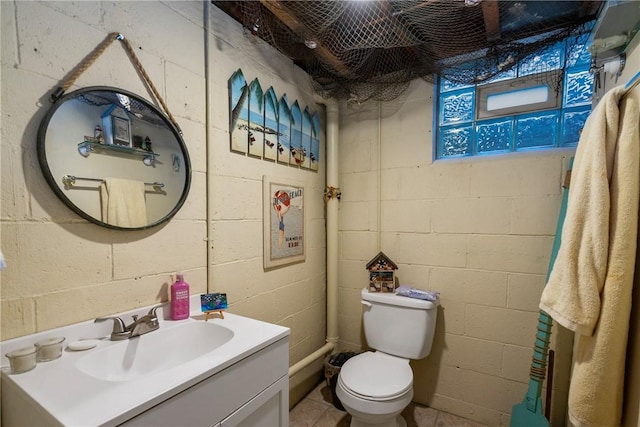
{"x": 331, "y": 197}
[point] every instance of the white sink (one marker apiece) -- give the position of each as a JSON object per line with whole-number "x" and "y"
{"x": 118, "y": 381}
{"x": 158, "y": 350}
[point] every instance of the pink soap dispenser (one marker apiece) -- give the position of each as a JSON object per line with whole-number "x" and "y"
{"x": 179, "y": 298}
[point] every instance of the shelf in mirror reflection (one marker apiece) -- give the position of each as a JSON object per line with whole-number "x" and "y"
{"x": 61, "y": 153}
{"x": 87, "y": 147}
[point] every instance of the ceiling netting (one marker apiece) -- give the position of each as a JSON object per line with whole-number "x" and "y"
{"x": 372, "y": 49}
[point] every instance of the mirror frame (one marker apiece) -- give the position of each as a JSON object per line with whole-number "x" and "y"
{"x": 44, "y": 166}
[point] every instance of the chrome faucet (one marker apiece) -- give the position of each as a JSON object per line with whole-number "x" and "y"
{"x": 147, "y": 323}
{"x": 119, "y": 329}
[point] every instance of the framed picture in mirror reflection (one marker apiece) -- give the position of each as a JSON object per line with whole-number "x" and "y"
{"x": 117, "y": 125}
{"x": 121, "y": 132}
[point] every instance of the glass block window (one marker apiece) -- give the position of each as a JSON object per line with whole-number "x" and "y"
{"x": 455, "y": 141}
{"x": 578, "y": 87}
{"x": 537, "y": 130}
{"x": 469, "y": 124}
{"x": 457, "y": 107}
{"x": 573, "y": 121}
{"x": 494, "y": 135}
{"x": 550, "y": 59}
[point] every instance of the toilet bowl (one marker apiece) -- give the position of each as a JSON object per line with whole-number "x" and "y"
{"x": 374, "y": 388}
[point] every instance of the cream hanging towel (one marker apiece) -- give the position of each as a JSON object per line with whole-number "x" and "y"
{"x": 589, "y": 289}
{"x": 123, "y": 202}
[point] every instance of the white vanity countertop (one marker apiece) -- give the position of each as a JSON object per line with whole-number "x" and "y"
{"x": 74, "y": 398}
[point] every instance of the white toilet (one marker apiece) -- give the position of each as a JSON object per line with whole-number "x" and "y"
{"x": 374, "y": 387}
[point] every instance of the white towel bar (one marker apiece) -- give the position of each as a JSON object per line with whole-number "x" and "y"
{"x": 70, "y": 180}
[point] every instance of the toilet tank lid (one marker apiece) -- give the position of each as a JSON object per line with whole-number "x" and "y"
{"x": 402, "y": 301}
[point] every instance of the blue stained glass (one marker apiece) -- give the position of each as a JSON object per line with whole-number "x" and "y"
{"x": 455, "y": 141}
{"x": 494, "y": 135}
{"x": 578, "y": 88}
{"x": 550, "y": 59}
{"x": 505, "y": 75}
{"x": 578, "y": 51}
{"x": 457, "y": 107}
{"x": 537, "y": 130}
{"x": 572, "y": 124}
{"x": 448, "y": 85}
{"x": 460, "y": 133}
{"x": 506, "y": 64}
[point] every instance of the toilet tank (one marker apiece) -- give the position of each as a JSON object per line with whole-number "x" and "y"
{"x": 398, "y": 325}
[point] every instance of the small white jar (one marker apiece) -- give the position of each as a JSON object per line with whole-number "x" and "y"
{"x": 49, "y": 349}
{"x": 22, "y": 360}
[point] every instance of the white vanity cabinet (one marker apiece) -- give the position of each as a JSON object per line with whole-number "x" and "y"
{"x": 252, "y": 392}
{"x": 189, "y": 373}
{"x": 269, "y": 408}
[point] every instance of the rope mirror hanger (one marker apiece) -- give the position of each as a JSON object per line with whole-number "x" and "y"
{"x": 95, "y": 54}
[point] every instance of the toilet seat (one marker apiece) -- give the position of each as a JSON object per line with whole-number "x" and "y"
{"x": 376, "y": 376}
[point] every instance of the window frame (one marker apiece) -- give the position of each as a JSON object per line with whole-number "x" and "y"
{"x": 570, "y": 100}
{"x": 554, "y": 100}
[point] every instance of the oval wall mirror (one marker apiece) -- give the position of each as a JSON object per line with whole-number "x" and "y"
{"x": 114, "y": 159}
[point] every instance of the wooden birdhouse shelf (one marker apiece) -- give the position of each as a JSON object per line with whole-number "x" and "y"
{"x": 382, "y": 274}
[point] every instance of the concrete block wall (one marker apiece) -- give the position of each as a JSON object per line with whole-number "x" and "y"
{"x": 62, "y": 269}
{"x": 479, "y": 231}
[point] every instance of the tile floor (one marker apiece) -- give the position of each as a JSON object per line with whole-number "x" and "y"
{"x": 317, "y": 410}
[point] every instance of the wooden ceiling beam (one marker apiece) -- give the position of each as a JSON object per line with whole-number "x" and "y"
{"x": 290, "y": 20}
{"x": 491, "y": 16}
